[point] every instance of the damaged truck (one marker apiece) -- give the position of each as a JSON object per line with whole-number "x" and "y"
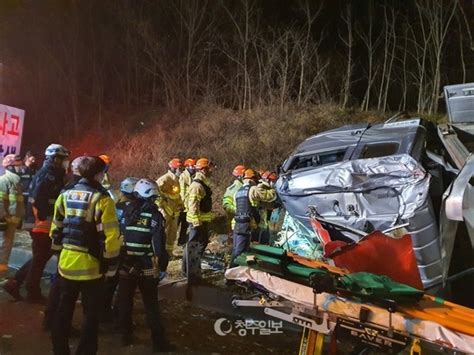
{"x": 408, "y": 176}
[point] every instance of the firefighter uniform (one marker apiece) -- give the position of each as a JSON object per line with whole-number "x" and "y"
{"x": 185, "y": 180}
{"x": 85, "y": 231}
{"x": 12, "y": 210}
{"x": 199, "y": 215}
{"x": 171, "y": 205}
{"x": 248, "y": 200}
{"x": 144, "y": 242}
{"x": 228, "y": 201}
{"x": 265, "y": 211}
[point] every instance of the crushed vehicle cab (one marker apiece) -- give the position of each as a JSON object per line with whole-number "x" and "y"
{"x": 409, "y": 173}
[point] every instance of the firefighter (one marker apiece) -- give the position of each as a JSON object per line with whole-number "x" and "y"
{"x": 45, "y": 188}
{"x": 126, "y": 189}
{"x": 144, "y": 257}
{"x": 106, "y": 179}
{"x": 185, "y": 180}
{"x": 267, "y": 182}
{"x": 12, "y": 209}
{"x": 86, "y": 233}
{"x": 170, "y": 201}
{"x": 248, "y": 200}
{"x": 199, "y": 215}
{"x": 228, "y": 202}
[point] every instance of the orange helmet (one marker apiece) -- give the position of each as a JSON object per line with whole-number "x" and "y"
{"x": 203, "y": 163}
{"x": 189, "y": 162}
{"x": 270, "y": 176}
{"x": 250, "y": 174}
{"x": 175, "y": 163}
{"x": 239, "y": 171}
{"x": 106, "y": 159}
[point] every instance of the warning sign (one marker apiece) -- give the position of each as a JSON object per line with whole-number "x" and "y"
{"x": 11, "y": 129}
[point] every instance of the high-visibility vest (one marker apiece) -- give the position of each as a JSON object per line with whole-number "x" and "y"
{"x": 85, "y": 226}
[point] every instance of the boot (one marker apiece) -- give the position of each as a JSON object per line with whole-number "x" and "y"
{"x": 13, "y": 289}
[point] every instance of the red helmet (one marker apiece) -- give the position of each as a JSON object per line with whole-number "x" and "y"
{"x": 239, "y": 171}
{"x": 189, "y": 162}
{"x": 175, "y": 163}
{"x": 270, "y": 176}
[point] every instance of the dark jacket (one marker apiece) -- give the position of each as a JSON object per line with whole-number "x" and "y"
{"x": 45, "y": 189}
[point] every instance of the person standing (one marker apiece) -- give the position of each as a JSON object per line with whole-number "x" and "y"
{"x": 199, "y": 215}
{"x": 85, "y": 232}
{"x": 144, "y": 257}
{"x": 127, "y": 186}
{"x": 185, "y": 180}
{"x": 170, "y": 201}
{"x": 228, "y": 201}
{"x": 45, "y": 188}
{"x": 12, "y": 209}
{"x": 28, "y": 171}
{"x": 248, "y": 200}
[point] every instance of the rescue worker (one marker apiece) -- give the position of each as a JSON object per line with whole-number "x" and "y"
{"x": 106, "y": 180}
{"x": 12, "y": 209}
{"x": 85, "y": 231}
{"x": 170, "y": 202}
{"x": 228, "y": 202}
{"x": 53, "y": 297}
{"x": 185, "y": 180}
{"x": 28, "y": 171}
{"x": 144, "y": 257}
{"x": 248, "y": 200}
{"x": 45, "y": 188}
{"x": 127, "y": 187}
{"x": 199, "y": 215}
{"x": 267, "y": 182}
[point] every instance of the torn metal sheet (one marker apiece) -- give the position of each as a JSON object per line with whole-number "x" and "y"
{"x": 371, "y": 194}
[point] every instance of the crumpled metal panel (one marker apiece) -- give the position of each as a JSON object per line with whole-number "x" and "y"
{"x": 371, "y": 194}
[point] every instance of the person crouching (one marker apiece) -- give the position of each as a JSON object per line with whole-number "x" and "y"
{"x": 144, "y": 255}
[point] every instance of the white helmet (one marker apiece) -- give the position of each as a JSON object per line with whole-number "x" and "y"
{"x": 56, "y": 150}
{"x": 127, "y": 185}
{"x": 75, "y": 164}
{"x": 146, "y": 188}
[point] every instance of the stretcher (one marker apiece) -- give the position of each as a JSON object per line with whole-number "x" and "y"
{"x": 431, "y": 324}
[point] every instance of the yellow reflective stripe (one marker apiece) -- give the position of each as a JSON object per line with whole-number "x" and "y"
{"x": 79, "y": 272}
{"x": 138, "y": 229}
{"x": 58, "y": 224}
{"x": 76, "y": 212}
{"x": 76, "y": 248}
{"x": 56, "y": 246}
{"x": 144, "y": 214}
{"x": 111, "y": 254}
{"x": 15, "y": 197}
{"x": 192, "y": 218}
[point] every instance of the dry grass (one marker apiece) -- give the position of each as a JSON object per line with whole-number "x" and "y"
{"x": 261, "y": 139}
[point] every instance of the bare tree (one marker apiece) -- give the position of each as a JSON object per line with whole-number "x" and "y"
{"x": 349, "y": 43}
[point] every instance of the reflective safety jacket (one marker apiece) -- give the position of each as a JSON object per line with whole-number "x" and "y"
{"x": 199, "y": 200}
{"x": 144, "y": 240}
{"x": 85, "y": 230}
{"x": 170, "y": 199}
{"x": 228, "y": 202}
{"x": 45, "y": 189}
{"x": 265, "y": 209}
{"x": 258, "y": 197}
{"x": 12, "y": 207}
{"x": 120, "y": 207}
{"x": 185, "y": 180}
